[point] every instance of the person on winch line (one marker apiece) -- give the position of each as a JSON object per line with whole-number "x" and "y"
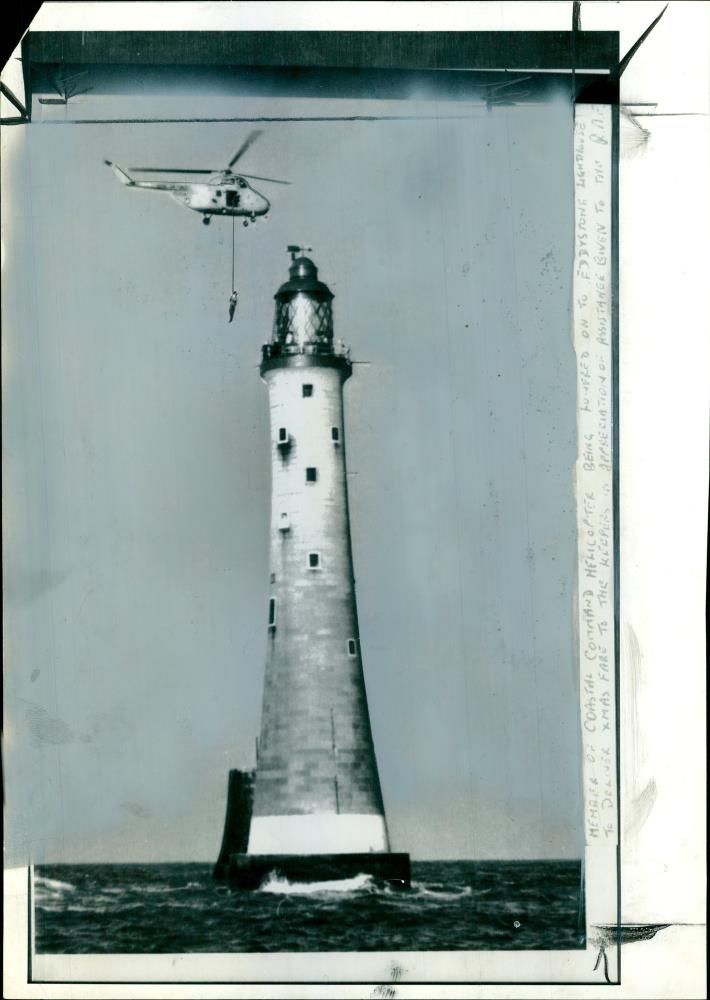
{"x": 232, "y": 305}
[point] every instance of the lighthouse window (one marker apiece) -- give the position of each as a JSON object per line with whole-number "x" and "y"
{"x": 352, "y": 647}
{"x": 283, "y": 435}
{"x": 335, "y": 434}
{"x": 311, "y": 474}
{"x": 313, "y": 560}
{"x": 272, "y": 612}
{"x": 307, "y": 389}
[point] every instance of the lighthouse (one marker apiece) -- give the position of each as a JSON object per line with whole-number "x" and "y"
{"x": 316, "y": 808}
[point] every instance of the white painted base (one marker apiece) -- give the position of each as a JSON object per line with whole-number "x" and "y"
{"x": 323, "y": 833}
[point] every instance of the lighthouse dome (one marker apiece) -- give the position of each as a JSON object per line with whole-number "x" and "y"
{"x": 303, "y": 277}
{"x": 303, "y": 267}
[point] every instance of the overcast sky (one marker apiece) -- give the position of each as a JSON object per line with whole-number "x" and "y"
{"x": 136, "y": 471}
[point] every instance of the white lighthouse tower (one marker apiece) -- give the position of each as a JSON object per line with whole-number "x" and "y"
{"x": 317, "y": 805}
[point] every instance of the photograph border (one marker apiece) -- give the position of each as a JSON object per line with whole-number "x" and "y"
{"x": 603, "y": 88}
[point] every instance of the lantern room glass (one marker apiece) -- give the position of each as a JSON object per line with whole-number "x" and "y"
{"x": 304, "y": 322}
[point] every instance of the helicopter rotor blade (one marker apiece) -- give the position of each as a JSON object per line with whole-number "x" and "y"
{"x": 78, "y": 93}
{"x": 244, "y": 147}
{"x": 71, "y": 76}
{"x": 271, "y": 180}
{"x": 171, "y": 170}
{"x": 494, "y": 87}
{"x": 507, "y": 100}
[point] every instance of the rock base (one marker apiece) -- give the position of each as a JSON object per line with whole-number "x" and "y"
{"x": 248, "y": 871}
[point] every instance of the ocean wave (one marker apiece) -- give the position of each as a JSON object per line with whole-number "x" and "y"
{"x": 279, "y": 885}
{"x": 53, "y": 884}
{"x": 437, "y": 891}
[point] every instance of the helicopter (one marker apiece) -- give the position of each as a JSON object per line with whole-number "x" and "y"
{"x": 223, "y": 193}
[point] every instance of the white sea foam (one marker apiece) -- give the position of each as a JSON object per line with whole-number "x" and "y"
{"x": 279, "y": 885}
{"x": 53, "y": 884}
{"x": 441, "y": 893}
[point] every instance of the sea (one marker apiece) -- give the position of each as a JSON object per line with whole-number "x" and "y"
{"x": 171, "y": 908}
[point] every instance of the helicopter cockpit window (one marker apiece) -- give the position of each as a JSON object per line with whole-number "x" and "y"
{"x": 242, "y": 183}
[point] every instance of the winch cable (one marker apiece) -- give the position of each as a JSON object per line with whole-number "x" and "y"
{"x": 233, "y": 252}
{"x": 233, "y": 296}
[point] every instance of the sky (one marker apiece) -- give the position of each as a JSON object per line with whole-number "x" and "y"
{"x": 136, "y": 470}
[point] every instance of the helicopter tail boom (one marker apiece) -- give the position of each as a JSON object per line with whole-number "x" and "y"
{"x": 121, "y": 174}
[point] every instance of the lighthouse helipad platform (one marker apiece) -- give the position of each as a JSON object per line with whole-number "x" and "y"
{"x": 315, "y": 804}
